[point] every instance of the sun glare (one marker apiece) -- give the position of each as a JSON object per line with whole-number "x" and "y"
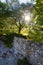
{"x": 27, "y": 17}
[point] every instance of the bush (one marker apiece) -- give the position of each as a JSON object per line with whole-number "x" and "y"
{"x": 8, "y": 38}
{"x": 23, "y": 61}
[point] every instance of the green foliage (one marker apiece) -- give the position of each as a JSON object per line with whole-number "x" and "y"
{"x": 7, "y": 25}
{"x": 39, "y": 7}
{"x": 7, "y": 21}
{"x": 8, "y": 38}
{"x": 4, "y": 13}
{"x": 19, "y": 22}
{"x": 4, "y": 10}
{"x": 36, "y": 32}
{"x": 39, "y": 11}
{"x": 23, "y": 61}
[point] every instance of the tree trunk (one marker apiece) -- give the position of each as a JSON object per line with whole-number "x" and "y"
{"x": 19, "y": 30}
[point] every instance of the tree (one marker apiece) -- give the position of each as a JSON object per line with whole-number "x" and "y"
{"x": 19, "y": 22}
{"x": 8, "y": 12}
{"x": 17, "y": 15}
{"x": 36, "y": 33}
{"x": 39, "y": 11}
{"x": 4, "y": 13}
{"x": 4, "y": 10}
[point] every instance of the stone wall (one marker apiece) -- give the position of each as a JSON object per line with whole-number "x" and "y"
{"x": 21, "y": 48}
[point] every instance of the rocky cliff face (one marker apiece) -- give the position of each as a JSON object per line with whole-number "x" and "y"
{"x": 21, "y": 48}
{"x": 35, "y": 53}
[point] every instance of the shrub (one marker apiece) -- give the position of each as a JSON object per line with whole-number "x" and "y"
{"x": 23, "y": 61}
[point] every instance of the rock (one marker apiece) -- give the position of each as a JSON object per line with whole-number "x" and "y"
{"x": 21, "y": 48}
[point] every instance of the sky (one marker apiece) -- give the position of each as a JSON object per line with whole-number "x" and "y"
{"x": 24, "y": 1}
{"x": 21, "y": 1}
